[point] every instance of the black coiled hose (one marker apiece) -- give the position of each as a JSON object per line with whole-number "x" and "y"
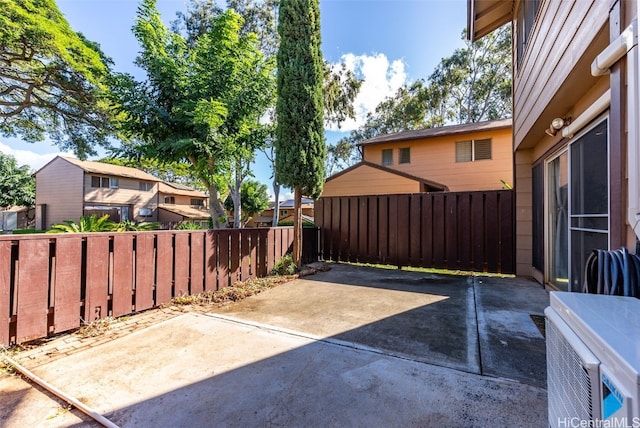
{"x": 612, "y": 272}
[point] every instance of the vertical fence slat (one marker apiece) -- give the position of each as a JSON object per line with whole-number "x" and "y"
{"x": 144, "y": 271}
{"x": 223, "y": 258}
{"x": 478, "y": 232}
{"x": 211, "y": 260}
{"x": 451, "y": 234}
{"x": 427, "y": 231}
{"x": 491, "y": 227}
{"x": 439, "y": 231}
{"x": 122, "y": 274}
{"x": 362, "y": 225}
{"x": 181, "y": 264}
{"x": 164, "y": 267}
{"x": 344, "y": 229}
{"x": 403, "y": 230}
{"x": 234, "y": 263}
{"x": 196, "y": 273}
{"x": 245, "y": 254}
{"x": 5, "y": 291}
{"x": 353, "y": 230}
{"x": 271, "y": 243}
{"x": 262, "y": 252}
{"x": 253, "y": 255}
{"x": 68, "y": 280}
{"x": 415, "y": 229}
{"x": 372, "y": 250}
{"x": 383, "y": 229}
{"x": 393, "y": 226}
{"x": 97, "y": 283}
{"x": 464, "y": 233}
{"x": 33, "y": 290}
{"x": 335, "y": 229}
{"x": 326, "y": 228}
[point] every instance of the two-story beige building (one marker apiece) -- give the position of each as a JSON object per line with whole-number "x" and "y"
{"x": 68, "y": 188}
{"x": 474, "y": 156}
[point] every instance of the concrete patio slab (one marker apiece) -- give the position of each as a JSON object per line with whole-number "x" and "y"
{"x": 353, "y": 346}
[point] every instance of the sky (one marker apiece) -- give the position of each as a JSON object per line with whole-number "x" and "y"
{"x": 387, "y": 43}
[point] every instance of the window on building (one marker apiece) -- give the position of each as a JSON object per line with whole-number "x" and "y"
{"x": 106, "y": 182}
{"x": 405, "y": 155}
{"x": 146, "y": 212}
{"x": 473, "y": 150}
{"x": 197, "y": 202}
{"x": 146, "y": 186}
{"x": 524, "y": 23}
{"x": 169, "y": 199}
{"x": 387, "y": 157}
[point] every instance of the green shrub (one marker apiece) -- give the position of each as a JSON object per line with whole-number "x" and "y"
{"x": 285, "y": 266}
{"x": 189, "y": 226}
{"x": 25, "y": 231}
{"x": 290, "y": 223}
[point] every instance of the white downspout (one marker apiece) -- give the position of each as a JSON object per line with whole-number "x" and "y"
{"x": 627, "y": 44}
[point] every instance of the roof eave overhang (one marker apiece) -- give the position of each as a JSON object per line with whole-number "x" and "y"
{"x": 484, "y": 16}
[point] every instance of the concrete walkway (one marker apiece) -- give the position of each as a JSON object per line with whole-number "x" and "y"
{"x": 348, "y": 347}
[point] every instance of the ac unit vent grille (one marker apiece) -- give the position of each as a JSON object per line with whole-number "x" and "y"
{"x": 568, "y": 381}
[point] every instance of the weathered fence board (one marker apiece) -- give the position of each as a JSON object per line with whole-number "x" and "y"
{"x": 50, "y": 283}
{"x": 472, "y": 231}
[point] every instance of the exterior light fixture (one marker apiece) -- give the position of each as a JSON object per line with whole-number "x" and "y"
{"x": 557, "y": 124}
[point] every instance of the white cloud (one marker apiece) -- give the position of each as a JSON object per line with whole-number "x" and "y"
{"x": 380, "y": 80}
{"x": 27, "y": 157}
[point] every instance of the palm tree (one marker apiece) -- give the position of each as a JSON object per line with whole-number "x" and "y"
{"x": 91, "y": 223}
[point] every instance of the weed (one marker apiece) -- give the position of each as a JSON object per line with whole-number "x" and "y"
{"x": 96, "y": 328}
{"x": 285, "y": 266}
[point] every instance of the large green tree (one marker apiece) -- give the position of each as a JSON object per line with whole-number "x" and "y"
{"x": 471, "y": 85}
{"x": 202, "y": 100}
{"x": 255, "y": 199}
{"x": 300, "y": 145}
{"x": 17, "y": 186}
{"x": 52, "y": 79}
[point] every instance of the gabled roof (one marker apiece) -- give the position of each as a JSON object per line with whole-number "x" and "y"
{"x": 185, "y": 211}
{"x": 464, "y": 128}
{"x": 106, "y": 169}
{"x": 432, "y": 185}
{"x": 179, "y": 189}
{"x": 290, "y": 202}
{"x": 484, "y": 16}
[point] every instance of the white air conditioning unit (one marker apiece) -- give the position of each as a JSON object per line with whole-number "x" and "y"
{"x": 593, "y": 360}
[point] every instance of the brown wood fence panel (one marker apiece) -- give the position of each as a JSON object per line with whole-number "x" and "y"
{"x": 196, "y": 271}
{"x": 122, "y": 280}
{"x": 6, "y": 290}
{"x": 145, "y": 268}
{"x": 181, "y": 264}
{"x": 97, "y": 282}
{"x": 164, "y": 267}
{"x": 33, "y": 290}
{"x": 49, "y": 283}
{"x": 68, "y": 280}
{"x": 471, "y": 231}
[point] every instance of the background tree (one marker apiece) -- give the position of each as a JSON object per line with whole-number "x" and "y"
{"x": 202, "y": 101}
{"x": 52, "y": 79}
{"x": 255, "y": 199}
{"x": 472, "y": 85}
{"x": 300, "y": 145}
{"x": 17, "y": 186}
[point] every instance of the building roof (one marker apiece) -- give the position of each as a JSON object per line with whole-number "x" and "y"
{"x": 484, "y": 16}
{"x": 179, "y": 189}
{"x": 432, "y": 185}
{"x": 107, "y": 169}
{"x": 290, "y": 202}
{"x": 464, "y": 128}
{"x": 186, "y": 211}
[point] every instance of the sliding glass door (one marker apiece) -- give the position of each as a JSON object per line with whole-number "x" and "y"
{"x": 558, "y": 220}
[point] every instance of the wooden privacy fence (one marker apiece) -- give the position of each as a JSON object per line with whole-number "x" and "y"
{"x": 471, "y": 231}
{"x": 49, "y": 283}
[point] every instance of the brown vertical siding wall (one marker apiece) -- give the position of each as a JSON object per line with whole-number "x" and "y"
{"x": 51, "y": 283}
{"x": 470, "y": 231}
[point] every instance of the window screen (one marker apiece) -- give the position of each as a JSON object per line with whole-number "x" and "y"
{"x": 387, "y": 157}
{"x": 463, "y": 151}
{"x": 169, "y": 200}
{"x": 146, "y": 186}
{"x": 481, "y": 149}
{"x": 95, "y": 181}
{"x": 405, "y": 155}
{"x": 197, "y": 202}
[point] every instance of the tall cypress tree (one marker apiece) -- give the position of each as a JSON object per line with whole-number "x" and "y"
{"x": 300, "y": 145}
